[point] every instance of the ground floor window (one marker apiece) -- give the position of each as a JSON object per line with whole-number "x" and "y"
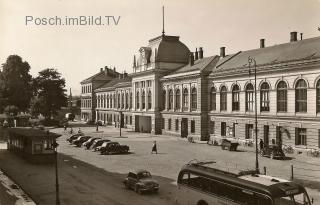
{"x": 126, "y": 119}
{"x": 162, "y": 123}
{"x": 249, "y": 131}
{"x": 169, "y": 124}
{"x": 301, "y": 136}
{"x": 193, "y": 126}
{"x": 177, "y": 124}
{"x": 211, "y": 127}
{"x": 130, "y": 120}
{"x": 223, "y": 128}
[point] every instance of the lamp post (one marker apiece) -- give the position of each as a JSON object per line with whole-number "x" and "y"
{"x": 55, "y": 146}
{"x": 251, "y": 62}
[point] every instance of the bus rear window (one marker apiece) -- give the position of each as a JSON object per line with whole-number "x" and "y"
{"x": 298, "y": 199}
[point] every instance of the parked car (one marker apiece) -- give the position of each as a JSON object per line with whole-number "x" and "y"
{"x": 104, "y": 144}
{"x": 231, "y": 146}
{"x": 89, "y": 142}
{"x": 79, "y": 142}
{"x": 93, "y": 145}
{"x": 273, "y": 151}
{"x": 73, "y": 137}
{"x": 114, "y": 148}
{"x": 141, "y": 181}
{"x": 98, "y": 143}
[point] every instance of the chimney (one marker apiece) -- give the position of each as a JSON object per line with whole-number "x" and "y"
{"x": 293, "y": 36}
{"x": 196, "y": 57}
{"x": 222, "y": 52}
{"x": 200, "y": 53}
{"x": 191, "y": 59}
{"x": 301, "y": 36}
{"x": 106, "y": 70}
{"x": 262, "y": 43}
{"x": 101, "y": 69}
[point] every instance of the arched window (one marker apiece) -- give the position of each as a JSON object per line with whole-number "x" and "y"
{"x": 194, "y": 99}
{"x": 143, "y": 99}
{"x": 137, "y": 99}
{"x": 249, "y": 97}
{"x": 318, "y": 96}
{"x": 130, "y": 100}
{"x": 164, "y": 98}
{"x": 170, "y": 99}
{"x": 301, "y": 96}
{"x": 223, "y": 98}
{"x": 282, "y": 97}
{"x": 127, "y": 101}
{"x": 149, "y": 100}
{"x": 213, "y": 97}
{"x": 122, "y": 100}
{"x": 185, "y": 99}
{"x": 98, "y": 101}
{"x": 264, "y": 97}
{"x": 235, "y": 98}
{"x": 107, "y": 101}
{"x": 119, "y": 101}
{"x": 178, "y": 98}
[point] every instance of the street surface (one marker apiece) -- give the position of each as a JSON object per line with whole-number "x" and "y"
{"x": 87, "y": 177}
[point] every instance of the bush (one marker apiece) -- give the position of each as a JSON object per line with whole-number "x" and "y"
{"x": 50, "y": 122}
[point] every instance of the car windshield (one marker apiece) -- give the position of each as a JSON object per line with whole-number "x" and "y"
{"x": 142, "y": 175}
{"x": 298, "y": 199}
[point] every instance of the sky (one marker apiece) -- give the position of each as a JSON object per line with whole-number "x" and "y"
{"x": 78, "y": 52}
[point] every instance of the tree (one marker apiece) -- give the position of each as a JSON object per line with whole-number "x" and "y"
{"x": 50, "y": 92}
{"x": 15, "y": 83}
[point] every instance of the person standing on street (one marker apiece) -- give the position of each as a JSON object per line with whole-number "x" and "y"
{"x": 154, "y": 147}
{"x": 261, "y": 144}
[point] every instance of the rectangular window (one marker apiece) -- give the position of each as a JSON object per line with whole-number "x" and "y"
{"x": 211, "y": 128}
{"x": 249, "y": 131}
{"x": 223, "y": 128}
{"x": 266, "y": 135}
{"x": 130, "y": 120}
{"x": 162, "y": 123}
{"x": 169, "y": 124}
{"x": 193, "y": 126}
{"x": 301, "y": 136}
{"x": 177, "y": 124}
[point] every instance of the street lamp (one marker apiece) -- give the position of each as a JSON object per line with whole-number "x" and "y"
{"x": 251, "y": 62}
{"x": 55, "y": 146}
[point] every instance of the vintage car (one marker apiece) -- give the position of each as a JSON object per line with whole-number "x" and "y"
{"x": 75, "y": 137}
{"x": 141, "y": 181}
{"x": 114, "y": 148}
{"x": 273, "y": 152}
{"x": 231, "y": 146}
{"x": 79, "y": 142}
{"x": 99, "y": 144}
{"x": 89, "y": 142}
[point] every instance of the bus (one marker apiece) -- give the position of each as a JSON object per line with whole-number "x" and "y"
{"x": 210, "y": 183}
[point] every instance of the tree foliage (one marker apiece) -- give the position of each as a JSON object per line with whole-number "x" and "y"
{"x": 15, "y": 83}
{"x": 51, "y": 95}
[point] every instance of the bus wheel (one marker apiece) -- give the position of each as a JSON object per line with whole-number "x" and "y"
{"x": 202, "y": 202}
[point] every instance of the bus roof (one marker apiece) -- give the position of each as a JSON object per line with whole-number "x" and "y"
{"x": 247, "y": 179}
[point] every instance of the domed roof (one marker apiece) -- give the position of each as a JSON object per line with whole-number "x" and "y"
{"x": 169, "y": 49}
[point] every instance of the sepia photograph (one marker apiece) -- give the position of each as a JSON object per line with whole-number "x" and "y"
{"x": 161, "y": 102}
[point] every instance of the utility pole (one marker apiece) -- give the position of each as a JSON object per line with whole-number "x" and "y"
{"x": 251, "y": 62}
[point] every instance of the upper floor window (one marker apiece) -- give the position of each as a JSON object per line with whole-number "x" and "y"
{"x": 119, "y": 100}
{"x": 264, "y": 97}
{"x": 185, "y": 99}
{"x": 170, "y": 99}
{"x": 301, "y": 96}
{"x": 122, "y": 100}
{"x": 127, "y": 101}
{"x": 104, "y": 101}
{"x": 235, "y": 98}
{"x": 149, "y": 99}
{"x": 178, "y": 98}
{"x": 193, "y": 99}
{"x": 282, "y": 97}
{"x": 137, "y": 100}
{"x": 164, "y": 99}
{"x": 107, "y": 101}
{"x": 143, "y": 99}
{"x": 318, "y": 96}
{"x": 213, "y": 97}
{"x": 223, "y": 98}
{"x": 130, "y": 100}
{"x": 249, "y": 97}
{"x": 111, "y": 101}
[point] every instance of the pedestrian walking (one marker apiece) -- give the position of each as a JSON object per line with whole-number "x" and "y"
{"x": 261, "y": 144}
{"x": 65, "y": 127}
{"x": 154, "y": 147}
{"x": 79, "y": 131}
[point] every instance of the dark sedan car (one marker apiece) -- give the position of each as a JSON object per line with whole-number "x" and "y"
{"x": 98, "y": 143}
{"x": 114, "y": 148}
{"x": 73, "y": 137}
{"x": 141, "y": 181}
{"x": 87, "y": 144}
{"x": 81, "y": 140}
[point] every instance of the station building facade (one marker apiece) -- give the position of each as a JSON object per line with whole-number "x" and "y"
{"x": 174, "y": 91}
